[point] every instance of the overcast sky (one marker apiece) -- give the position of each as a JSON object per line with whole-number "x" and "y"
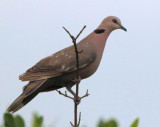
{"x": 127, "y": 83}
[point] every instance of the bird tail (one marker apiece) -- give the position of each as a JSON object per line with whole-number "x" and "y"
{"x": 29, "y": 92}
{"x": 20, "y": 102}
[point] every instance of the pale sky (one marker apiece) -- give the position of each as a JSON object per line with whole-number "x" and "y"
{"x": 127, "y": 83}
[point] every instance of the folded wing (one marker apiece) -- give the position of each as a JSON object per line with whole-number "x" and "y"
{"x": 60, "y": 63}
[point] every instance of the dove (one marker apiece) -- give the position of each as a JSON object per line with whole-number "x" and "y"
{"x": 59, "y": 70}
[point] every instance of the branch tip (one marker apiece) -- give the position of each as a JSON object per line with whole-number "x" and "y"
{"x": 79, "y": 119}
{"x": 80, "y": 51}
{"x": 80, "y": 32}
{"x": 71, "y": 124}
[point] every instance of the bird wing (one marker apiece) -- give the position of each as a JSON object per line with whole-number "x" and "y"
{"x": 60, "y": 63}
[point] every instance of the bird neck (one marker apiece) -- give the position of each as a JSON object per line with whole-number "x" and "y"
{"x": 99, "y": 40}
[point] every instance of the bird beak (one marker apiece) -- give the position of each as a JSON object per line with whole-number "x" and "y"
{"x": 123, "y": 28}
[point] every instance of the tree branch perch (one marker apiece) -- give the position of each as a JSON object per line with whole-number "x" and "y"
{"x": 78, "y": 80}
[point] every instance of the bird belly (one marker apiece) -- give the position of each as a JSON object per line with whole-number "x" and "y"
{"x": 89, "y": 70}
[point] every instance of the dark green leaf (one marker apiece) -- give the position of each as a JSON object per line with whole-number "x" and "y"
{"x": 9, "y": 120}
{"x": 19, "y": 121}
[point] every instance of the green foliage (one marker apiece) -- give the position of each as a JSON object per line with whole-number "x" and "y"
{"x": 135, "y": 123}
{"x": 37, "y": 120}
{"x": 110, "y": 123}
{"x": 19, "y": 121}
{"x": 9, "y": 120}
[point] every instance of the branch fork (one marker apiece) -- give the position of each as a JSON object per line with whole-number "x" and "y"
{"x": 72, "y": 98}
{"x": 64, "y": 94}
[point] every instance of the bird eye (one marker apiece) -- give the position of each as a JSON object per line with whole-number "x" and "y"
{"x": 114, "y": 20}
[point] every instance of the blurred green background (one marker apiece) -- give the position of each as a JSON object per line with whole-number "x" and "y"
{"x": 10, "y": 120}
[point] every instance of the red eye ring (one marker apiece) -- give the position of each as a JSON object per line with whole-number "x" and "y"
{"x": 114, "y": 20}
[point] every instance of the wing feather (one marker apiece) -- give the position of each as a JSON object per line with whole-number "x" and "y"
{"x": 60, "y": 63}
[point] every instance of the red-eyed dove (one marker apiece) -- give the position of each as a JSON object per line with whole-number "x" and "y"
{"x": 59, "y": 70}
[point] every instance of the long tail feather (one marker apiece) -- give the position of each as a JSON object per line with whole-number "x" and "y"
{"x": 30, "y": 91}
{"x": 20, "y": 102}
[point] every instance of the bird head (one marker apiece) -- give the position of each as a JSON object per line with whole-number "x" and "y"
{"x": 113, "y": 23}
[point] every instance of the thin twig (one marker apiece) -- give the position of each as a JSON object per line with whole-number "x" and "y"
{"x": 71, "y": 124}
{"x": 80, "y": 32}
{"x": 79, "y": 119}
{"x": 68, "y": 32}
{"x": 64, "y": 94}
{"x": 86, "y": 95}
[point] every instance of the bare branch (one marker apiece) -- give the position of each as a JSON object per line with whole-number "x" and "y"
{"x": 79, "y": 119}
{"x": 86, "y": 95}
{"x": 71, "y": 124}
{"x": 68, "y": 32}
{"x": 80, "y": 32}
{"x": 64, "y": 94}
{"x": 77, "y": 80}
